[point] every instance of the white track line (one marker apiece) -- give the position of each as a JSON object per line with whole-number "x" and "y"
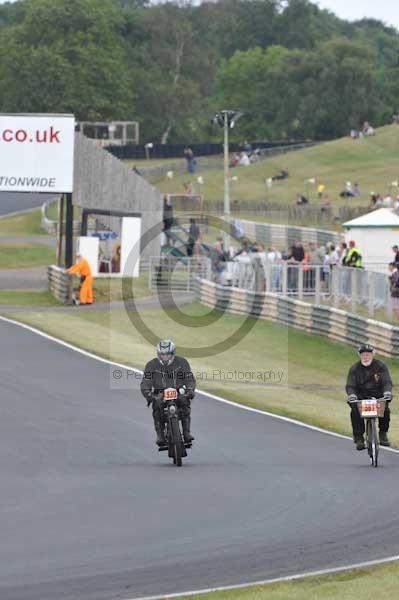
{"x": 371, "y": 563}
{"x": 243, "y": 407}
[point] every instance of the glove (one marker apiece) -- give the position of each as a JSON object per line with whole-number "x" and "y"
{"x": 387, "y": 396}
{"x": 351, "y": 398}
{"x": 190, "y": 394}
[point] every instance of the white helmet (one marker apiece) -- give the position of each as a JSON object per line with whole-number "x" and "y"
{"x": 166, "y": 351}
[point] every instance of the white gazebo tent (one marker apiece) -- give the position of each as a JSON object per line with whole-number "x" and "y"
{"x": 375, "y": 233}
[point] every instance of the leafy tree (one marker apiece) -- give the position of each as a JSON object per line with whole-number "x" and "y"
{"x": 66, "y": 57}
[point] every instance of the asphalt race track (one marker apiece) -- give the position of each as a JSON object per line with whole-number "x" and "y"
{"x": 89, "y": 510}
{"x": 11, "y": 202}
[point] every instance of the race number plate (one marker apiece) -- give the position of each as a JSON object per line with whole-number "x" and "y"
{"x": 170, "y": 394}
{"x": 369, "y": 408}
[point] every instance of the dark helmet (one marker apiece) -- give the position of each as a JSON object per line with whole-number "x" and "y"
{"x": 365, "y": 348}
{"x": 166, "y": 351}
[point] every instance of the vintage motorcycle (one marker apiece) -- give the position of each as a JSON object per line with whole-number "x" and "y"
{"x": 175, "y": 444}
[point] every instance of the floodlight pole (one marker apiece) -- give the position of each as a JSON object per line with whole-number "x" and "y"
{"x": 226, "y": 189}
{"x": 68, "y": 231}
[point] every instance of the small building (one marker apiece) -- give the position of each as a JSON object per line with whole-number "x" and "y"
{"x": 375, "y": 233}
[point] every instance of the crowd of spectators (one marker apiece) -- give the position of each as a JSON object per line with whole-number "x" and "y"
{"x": 364, "y": 131}
{"x": 309, "y": 256}
{"x": 379, "y": 201}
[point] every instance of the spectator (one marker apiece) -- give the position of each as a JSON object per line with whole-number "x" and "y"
{"x": 189, "y": 189}
{"x": 168, "y": 218}
{"x": 295, "y": 257}
{"x": 300, "y": 200}
{"x": 320, "y": 190}
{"x": 218, "y": 259}
{"x": 237, "y": 229}
{"x": 373, "y": 200}
{"x": 194, "y": 234}
{"x": 348, "y": 191}
{"x": 394, "y": 287}
{"x": 244, "y": 250}
{"x": 244, "y": 160}
{"x": 356, "y": 190}
{"x": 367, "y": 129}
{"x": 395, "y": 250}
{"x": 326, "y": 205}
{"x": 315, "y": 259}
{"x": 342, "y": 252}
{"x": 247, "y": 147}
{"x": 283, "y": 174}
{"x": 353, "y": 257}
{"x": 274, "y": 257}
{"x": 191, "y": 162}
{"x": 234, "y": 160}
{"x": 388, "y": 201}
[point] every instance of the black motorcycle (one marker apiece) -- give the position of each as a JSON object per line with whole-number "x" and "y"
{"x": 175, "y": 444}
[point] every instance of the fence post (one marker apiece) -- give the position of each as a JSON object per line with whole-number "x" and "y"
{"x": 336, "y": 281}
{"x": 389, "y": 303}
{"x": 353, "y": 288}
{"x": 284, "y": 282}
{"x": 371, "y": 294}
{"x": 268, "y": 283}
{"x": 317, "y": 284}
{"x": 300, "y": 281}
{"x": 150, "y": 274}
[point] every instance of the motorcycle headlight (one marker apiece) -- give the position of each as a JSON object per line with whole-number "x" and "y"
{"x": 172, "y": 409}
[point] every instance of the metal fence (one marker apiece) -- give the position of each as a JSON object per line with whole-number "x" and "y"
{"x": 315, "y": 283}
{"x": 340, "y": 285}
{"x": 169, "y": 272}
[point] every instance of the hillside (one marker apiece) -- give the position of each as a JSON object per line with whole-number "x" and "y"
{"x": 371, "y": 162}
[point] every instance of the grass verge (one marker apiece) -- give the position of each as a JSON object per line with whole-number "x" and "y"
{"x": 110, "y": 289}
{"x": 16, "y": 256}
{"x": 366, "y": 584}
{"x": 27, "y": 298}
{"x": 27, "y": 223}
{"x": 273, "y": 367}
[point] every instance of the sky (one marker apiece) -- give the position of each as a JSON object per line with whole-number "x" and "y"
{"x": 384, "y": 10}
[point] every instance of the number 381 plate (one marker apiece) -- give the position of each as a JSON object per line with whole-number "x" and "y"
{"x": 369, "y": 408}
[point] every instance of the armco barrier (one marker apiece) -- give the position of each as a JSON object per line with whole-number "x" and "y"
{"x": 52, "y": 226}
{"x": 333, "y": 323}
{"x": 59, "y": 283}
{"x": 283, "y": 236}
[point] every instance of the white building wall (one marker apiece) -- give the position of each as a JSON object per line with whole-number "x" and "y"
{"x": 375, "y": 243}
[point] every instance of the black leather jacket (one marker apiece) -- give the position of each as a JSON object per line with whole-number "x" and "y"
{"x": 369, "y": 382}
{"x": 157, "y": 377}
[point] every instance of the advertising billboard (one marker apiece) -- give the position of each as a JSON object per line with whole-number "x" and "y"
{"x": 36, "y": 153}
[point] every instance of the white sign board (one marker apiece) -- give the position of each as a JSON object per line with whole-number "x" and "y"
{"x": 130, "y": 250}
{"x": 36, "y": 153}
{"x": 88, "y": 247}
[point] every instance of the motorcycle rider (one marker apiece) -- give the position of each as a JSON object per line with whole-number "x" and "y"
{"x": 368, "y": 378}
{"x": 168, "y": 370}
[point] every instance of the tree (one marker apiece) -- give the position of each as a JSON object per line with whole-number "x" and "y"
{"x": 66, "y": 57}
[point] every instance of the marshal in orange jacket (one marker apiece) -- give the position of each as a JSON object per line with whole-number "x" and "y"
{"x": 82, "y": 268}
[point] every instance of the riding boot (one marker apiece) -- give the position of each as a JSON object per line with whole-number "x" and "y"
{"x": 186, "y": 422}
{"x": 159, "y": 428}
